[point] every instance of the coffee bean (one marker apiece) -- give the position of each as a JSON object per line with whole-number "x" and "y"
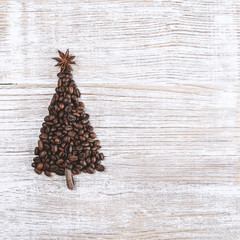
{"x": 92, "y": 135}
{"x": 55, "y": 149}
{"x": 61, "y": 75}
{"x": 79, "y": 126}
{"x": 54, "y": 168}
{"x": 100, "y": 168}
{"x": 36, "y": 159}
{"x": 42, "y": 154}
{"x": 81, "y": 105}
{"x": 94, "y": 159}
{"x": 96, "y": 143}
{"x": 94, "y": 148}
{"x": 101, "y": 156}
{"x": 70, "y": 89}
{"x": 90, "y": 170}
{"x": 61, "y": 105}
{"x": 68, "y": 128}
{"x": 36, "y": 151}
{"x": 47, "y": 173}
{"x": 60, "y": 173}
{"x": 73, "y": 158}
{"x": 71, "y": 133}
{"x": 43, "y": 136}
{"x": 46, "y": 165}
{"x": 40, "y": 166}
{"x": 88, "y": 160}
{"x": 68, "y": 109}
{"x": 78, "y": 93}
{"x": 79, "y": 148}
{"x": 61, "y": 113}
{"x": 71, "y": 117}
{"x": 37, "y": 171}
{"x": 59, "y": 82}
{"x": 66, "y": 139}
{"x": 60, "y": 161}
{"x": 46, "y": 146}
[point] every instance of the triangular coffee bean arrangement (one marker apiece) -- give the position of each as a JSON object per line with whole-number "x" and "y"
{"x": 67, "y": 142}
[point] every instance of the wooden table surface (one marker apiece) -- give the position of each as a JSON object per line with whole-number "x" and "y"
{"x": 160, "y": 82}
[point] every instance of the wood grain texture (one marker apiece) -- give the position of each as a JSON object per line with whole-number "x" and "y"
{"x": 160, "y": 82}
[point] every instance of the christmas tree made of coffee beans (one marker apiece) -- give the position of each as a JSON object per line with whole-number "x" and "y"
{"x": 67, "y": 142}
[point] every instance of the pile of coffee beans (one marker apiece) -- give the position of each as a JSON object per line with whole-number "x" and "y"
{"x": 67, "y": 139}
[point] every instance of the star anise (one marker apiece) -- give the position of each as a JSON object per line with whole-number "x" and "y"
{"x": 65, "y": 60}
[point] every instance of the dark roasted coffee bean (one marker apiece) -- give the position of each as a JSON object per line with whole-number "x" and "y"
{"x": 54, "y": 168}
{"x": 95, "y": 148}
{"x": 46, "y": 166}
{"x": 61, "y": 89}
{"x": 70, "y": 90}
{"x": 36, "y": 151}
{"x": 78, "y": 93}
{"x": 73, "y": 158}
{"x": 96, "y": 143}
{"x": 79, "y": 148}
{"x": 101, "y": 156}
{"x": 61, "y": 113}
{"x": 81, "y": 132}
{"x": 46, "y": 146}
{"x": 90, "y": 170}
{"x": 61, "y": 105}
{"x": 87, "y": 153}
{"x": 42, "y": 154}
{"x": 86, "y": 135}
{"x": 75, "y": 99}
{"x": 38, "y": 171}
{"x": 34, "y": 165}
{"x": 61, "y": 75}
{"x": 90, "y": 129}
{"x": 85, "y": 144}
{"x": 68, "y": 128}
{"x": 47, "y": 119}
{"x": 82, "y": 139}
{"x": 43, "y": 136}
{"x": 66, "y": 101}
{"x": 60, "y": 161}
{"x": 94, "y": 159}
{"x": 88, "y": 160}
{"x": 78, "y": 166}
{"x": 71, "y": 117}
{"x": 70, "y": 149}
{"x": 81, "y": 155}
{"x": 66, "y": 139}
{"x": 79, "y": 126}
{"x": 60, "y": 173}
{"x": 40, "y": 166}
{"x": 68, "y": 109}
{"x": 47, "y": 173}
{"x": 83, "y": 163}
{"x": 55, "y": 149}
{"x": 92, "y": 135}
{"x": 59, "y": 82}
{"x": 100, "y": 168}
{"x": 36, "y": 159}
{"x": 81, "y": 105}
{"x": 71, "y": 133}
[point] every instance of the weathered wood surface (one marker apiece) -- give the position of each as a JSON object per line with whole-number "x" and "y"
{"x": 160, "y": 82}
